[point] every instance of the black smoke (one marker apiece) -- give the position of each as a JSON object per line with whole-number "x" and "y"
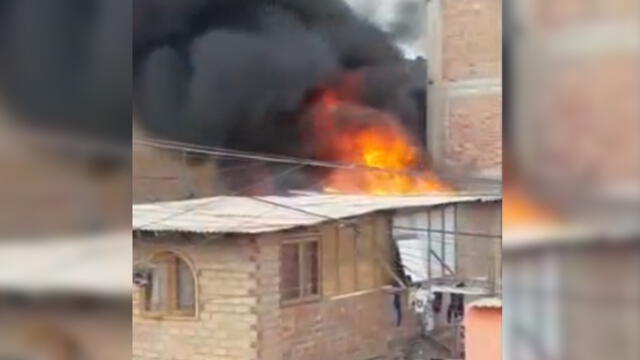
{"x": 238, "y": 73}
{"x": 66, "y": 66}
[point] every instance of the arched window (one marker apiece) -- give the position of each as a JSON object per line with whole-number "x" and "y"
{"x": 170, "y": 290}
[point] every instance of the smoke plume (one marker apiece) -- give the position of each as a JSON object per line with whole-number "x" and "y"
{"x": 239, "y": 74}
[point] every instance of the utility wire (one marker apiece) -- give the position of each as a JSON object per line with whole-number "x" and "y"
{"x": 225, "y": 152}
{"x": 220, "y": 170}
{"x": 327, "y": 217}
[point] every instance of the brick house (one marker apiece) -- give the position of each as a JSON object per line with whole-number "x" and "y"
{"x": 307, "y": 277}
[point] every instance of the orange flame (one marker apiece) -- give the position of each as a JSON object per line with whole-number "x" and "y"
{"x": 356, "y": 134}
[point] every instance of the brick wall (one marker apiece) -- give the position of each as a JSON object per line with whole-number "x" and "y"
{"x": 270, "y": 346}
{"x": 226, "y": 322}
{"x": 474, "y": 132}
{"x": 471, "y": 39}
{"x": 349, "y": 328}
{"x": 239, "y": 315}
{"x": 464, "y": 47}
{"x": 163, "y": 175}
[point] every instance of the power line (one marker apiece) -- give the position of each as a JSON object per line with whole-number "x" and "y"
{"x": 240, "y": 154}
{"x": 223, "y": 152}
{"x": 445, "y": 232}
{"x": 207, "y": 239}
{"x": 220, "y": 170}
{"x": 416, "y": 229}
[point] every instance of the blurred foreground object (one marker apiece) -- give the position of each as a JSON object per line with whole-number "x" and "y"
{"x": 65, "y": 131}
{"x": 66, "y": 299}
{"x": 60, "y": 184}
{"x": 65, "y": 116}
{"x": 570, "y": 293}
{"x": 570, "y": 243}
{"x": 573, "y": 127}
{"x": 66, "y": 66}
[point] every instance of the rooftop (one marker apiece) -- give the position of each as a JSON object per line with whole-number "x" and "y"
{"x": 235, "y": 214}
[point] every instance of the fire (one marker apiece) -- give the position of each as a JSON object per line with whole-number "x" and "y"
{"x": 355, "y": 134}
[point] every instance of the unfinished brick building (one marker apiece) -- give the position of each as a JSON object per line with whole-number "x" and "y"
{"x": 464, "y": 122}
{"x": 308, "y": 277}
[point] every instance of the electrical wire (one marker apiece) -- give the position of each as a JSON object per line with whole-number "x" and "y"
{"x": 225, "y": 152}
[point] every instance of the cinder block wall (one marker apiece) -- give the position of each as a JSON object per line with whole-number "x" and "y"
{"x": 225, "y": 327}
{"x": 350, "y": 328}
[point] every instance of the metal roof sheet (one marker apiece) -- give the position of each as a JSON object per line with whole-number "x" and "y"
{"x": 235, "y": 214}
{"x": 89, "y": 265}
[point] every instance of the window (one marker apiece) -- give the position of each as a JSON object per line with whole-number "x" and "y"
{"x": 299, "y": 269}
{"x": 171, "y": 287}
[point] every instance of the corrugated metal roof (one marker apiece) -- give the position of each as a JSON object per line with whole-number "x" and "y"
{"x": 93, "y": 265}
{"x": 487, "y": 303}
{"x": 234, "y": 214}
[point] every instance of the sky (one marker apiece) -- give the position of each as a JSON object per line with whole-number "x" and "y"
{"x": 387, "y": 13}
